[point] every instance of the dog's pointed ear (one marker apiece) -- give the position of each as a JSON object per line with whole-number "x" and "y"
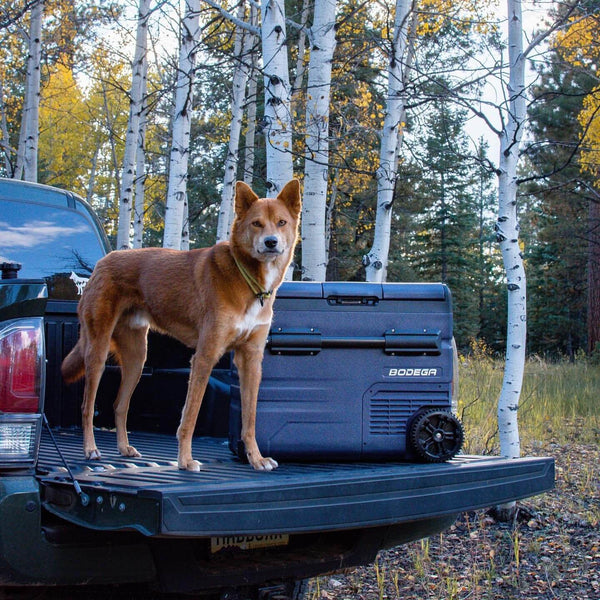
{"x": 290, "y": 194}
{"x": 244, "y": 198}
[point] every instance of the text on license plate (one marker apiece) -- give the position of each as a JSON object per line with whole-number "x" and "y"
{"x": 248, "y": 542}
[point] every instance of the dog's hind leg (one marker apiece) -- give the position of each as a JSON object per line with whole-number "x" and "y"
{"x": 129, "y": 347}
{"x": 95, "y": 359}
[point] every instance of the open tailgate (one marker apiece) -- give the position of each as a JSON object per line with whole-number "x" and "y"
{"x": 226, "y": 497}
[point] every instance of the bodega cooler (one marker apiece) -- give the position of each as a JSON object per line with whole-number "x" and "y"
{"x": 356, "y": 370}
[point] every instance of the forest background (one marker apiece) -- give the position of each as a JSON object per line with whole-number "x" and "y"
{"x": 444, "y": 206}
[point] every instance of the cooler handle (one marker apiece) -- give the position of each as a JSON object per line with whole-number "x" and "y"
{"x": 310, "y": 341}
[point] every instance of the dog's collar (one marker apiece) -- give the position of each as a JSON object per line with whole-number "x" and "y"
{"x": 253, "y": 284}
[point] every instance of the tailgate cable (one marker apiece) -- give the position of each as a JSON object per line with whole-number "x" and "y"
{"x": 85, "y": 499}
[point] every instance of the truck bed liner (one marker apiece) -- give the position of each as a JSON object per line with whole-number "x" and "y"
{"x": 150, "y": 494}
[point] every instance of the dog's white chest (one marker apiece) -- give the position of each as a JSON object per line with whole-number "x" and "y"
{"x": 271, "y": 274}
{"x": 255, "y": 316}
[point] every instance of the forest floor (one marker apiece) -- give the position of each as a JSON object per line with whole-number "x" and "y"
{"x": 551, "y": 550}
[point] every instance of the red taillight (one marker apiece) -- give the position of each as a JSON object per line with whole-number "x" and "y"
{"x": 21, "y": 366}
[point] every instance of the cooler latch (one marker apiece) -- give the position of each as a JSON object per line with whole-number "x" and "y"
{"x": 425, "y": 341}
{"x": 352, "y": 300}
{"x": 294, "y": 341}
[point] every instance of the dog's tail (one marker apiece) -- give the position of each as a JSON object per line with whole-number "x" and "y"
{"x": 73, "y": 366}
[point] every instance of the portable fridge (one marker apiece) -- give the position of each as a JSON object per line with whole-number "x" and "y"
{"x": 356, "y": 370}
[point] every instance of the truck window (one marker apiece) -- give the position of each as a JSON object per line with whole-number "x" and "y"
{"x": 59, "y": 245}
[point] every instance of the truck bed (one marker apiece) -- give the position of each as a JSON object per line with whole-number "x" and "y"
{"x": 151, "y": 495}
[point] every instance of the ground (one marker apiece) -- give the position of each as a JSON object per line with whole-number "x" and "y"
{"x": 550, "y": 551}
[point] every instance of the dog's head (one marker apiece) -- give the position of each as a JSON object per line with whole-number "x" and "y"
{"x": 267, "y": 227}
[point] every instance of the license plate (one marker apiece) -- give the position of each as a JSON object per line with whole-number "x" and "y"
{"x": 248, "y": 542}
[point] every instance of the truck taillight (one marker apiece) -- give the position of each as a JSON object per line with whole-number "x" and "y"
{"x": 22, "y": 374}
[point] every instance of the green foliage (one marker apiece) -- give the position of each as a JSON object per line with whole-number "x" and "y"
{"x": 444, "y": 202}
{"x": 555, "y": 217}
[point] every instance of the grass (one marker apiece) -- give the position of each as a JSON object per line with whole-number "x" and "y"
{"x": 552, "y": 551}
{"x": 553, "y": 395}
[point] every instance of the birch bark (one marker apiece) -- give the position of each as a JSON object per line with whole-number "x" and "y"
{"x": 180, "y": 145}
{"x": 300, "y": 59}
{"x": 507, "y": 232}
{"x": 136, "y": 106}
{"x": 376, "y": 260}
{"x": 27, "y": 153}
{"x": 139, "y": 209}
{"x": 316, "y": 168}
{"x": 5, "y": 139}
{"x": 251, "y": 99}
{"x": 277, "y": 118}
{"x": 242, "y": 49}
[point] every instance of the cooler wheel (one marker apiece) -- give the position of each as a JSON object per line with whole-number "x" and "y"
{"x": 436, "y": 435}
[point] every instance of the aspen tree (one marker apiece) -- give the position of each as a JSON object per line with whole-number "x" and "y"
{"x": 316, "y": 168}
{"x": 277, "y": 118}
{"x": 244, "y": 41}
{"x": 27, "y": 153}
{"x": 375, "y": 261}
{"x": 180, "y": 144}
{"x": 139, "y": 210}
{"x": 136, "y": 107}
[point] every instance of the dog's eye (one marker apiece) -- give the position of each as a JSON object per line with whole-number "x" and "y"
{"x": 257, "y": 224}
{"x": 282, "y": 223}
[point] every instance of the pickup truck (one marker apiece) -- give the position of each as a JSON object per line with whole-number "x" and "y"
{"x": 226, "y": 531}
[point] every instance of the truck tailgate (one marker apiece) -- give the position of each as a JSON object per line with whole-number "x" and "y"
{"x": 226, "y": 497}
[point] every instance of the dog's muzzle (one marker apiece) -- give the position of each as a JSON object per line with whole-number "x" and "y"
{"x": 271, "y": 245}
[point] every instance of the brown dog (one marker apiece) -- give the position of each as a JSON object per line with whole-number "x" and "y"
{"x": 212, "y": 299}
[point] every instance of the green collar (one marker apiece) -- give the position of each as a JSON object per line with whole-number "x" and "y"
{"x": 252, "y": 282}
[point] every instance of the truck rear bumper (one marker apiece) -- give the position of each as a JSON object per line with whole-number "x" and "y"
{"x": 228, "y": 498}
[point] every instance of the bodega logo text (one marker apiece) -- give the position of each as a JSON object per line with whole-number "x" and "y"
{"x": 410, "y": 372}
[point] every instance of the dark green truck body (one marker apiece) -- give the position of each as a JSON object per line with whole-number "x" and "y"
{"x": 130, "y": 521}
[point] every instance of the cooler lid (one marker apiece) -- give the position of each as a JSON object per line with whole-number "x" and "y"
{"x": 300, "y": 289}
{"x": 351, "y": 289}
{"x": 365, "y": 290}
{"x": 415, "y": 291}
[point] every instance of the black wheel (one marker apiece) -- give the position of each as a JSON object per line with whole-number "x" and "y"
{"x": 436, "y": 435}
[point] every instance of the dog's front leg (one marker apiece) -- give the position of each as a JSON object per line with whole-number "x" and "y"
{"x": 248, "y": 360}
{"x": 201, "y": 367}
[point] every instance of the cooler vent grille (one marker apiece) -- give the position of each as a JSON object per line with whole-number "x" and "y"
{"x": 389, "y": 412}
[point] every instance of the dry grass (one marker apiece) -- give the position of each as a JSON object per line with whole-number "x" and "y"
{"x": 552, "y": 550}
{"x": 553, "y": 395}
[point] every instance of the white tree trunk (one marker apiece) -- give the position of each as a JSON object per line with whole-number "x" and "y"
{"x": 7, "y": 150}
{"x": 180, "y": 145}
{"x": 316, "y": 167}
{"x": 250, "y": 138}
{"x": 136, "y": 106}
{"x": 185, "y": 232}
{"x": 277, "y": 118}
{"x": 243, "y": 48}
{"x": 251, "y": 100}
{"x": 27, "y": 153}
{"x": 139, "y": 209}
{"x": 300, "y": 59}
{"x": 507, "y": 230}
{"x": 377, "y": 258}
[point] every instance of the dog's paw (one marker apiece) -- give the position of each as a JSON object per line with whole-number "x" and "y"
{"x": 93, "y": 454}
{"x": 130, "y": 451}
{"x": 190, "y": 465}
{"x": 265, "y": 464}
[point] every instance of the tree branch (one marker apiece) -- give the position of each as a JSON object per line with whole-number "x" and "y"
{"x": 232, "y": 18}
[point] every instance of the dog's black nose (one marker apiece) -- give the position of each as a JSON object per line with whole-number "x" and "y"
{"x": 271, "y": 242}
